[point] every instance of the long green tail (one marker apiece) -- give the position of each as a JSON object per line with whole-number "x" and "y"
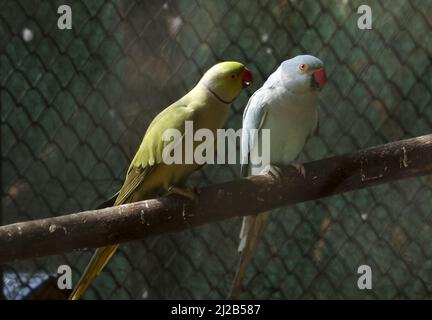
{"x": 97, "y": 263}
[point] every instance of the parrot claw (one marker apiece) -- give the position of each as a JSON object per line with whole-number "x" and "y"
{"x": 190, "y": 193}
{"x": 273, "y": 171}
{"x": 299, "y": 168}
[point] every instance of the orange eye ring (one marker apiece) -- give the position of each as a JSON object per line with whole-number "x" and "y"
{"x": 303, "y": 67}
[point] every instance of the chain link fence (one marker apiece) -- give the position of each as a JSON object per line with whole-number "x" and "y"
{"x": 76, "y": 103}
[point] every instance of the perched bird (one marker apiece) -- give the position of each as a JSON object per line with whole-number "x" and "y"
{"x": 286, "y": 105}
{"x": 148, "y": 176}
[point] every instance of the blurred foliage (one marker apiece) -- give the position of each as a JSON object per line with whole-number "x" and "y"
{"x": 76, "y": 103}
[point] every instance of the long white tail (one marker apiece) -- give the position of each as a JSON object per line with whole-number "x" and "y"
{"x": 251, "y": 231}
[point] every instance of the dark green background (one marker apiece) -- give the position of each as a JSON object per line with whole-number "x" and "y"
{"x": 75, "y": 104}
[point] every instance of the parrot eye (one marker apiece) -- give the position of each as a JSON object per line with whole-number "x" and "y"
{"x": 233, "y": 76}
{"x": 303, "y": 67}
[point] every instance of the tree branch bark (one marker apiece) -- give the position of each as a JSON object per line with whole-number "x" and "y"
{"x": 173, "y": 213}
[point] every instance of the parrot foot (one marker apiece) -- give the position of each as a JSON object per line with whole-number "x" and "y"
{"x": 190, "y": 193}
{"x": 273, "y": 171}
{"x": 299, "y": 168}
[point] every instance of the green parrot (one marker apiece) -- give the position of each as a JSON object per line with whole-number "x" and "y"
{"x": 207, "y": 106}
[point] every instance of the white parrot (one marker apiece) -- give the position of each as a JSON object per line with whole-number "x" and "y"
{"x": 286, "y": 105}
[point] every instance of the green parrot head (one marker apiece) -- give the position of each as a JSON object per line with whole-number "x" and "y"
{"x": 225, "y": 80}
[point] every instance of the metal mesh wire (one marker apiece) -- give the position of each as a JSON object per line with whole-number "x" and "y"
{"x": 76, "y": 103}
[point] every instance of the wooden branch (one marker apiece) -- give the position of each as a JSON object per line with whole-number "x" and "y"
{"x": 173, "y": 213}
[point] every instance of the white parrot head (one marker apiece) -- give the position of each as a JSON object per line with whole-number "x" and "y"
{"x": 302, "y": 74}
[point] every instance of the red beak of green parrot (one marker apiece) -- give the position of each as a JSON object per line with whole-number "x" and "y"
{"x": 247, "y": 78}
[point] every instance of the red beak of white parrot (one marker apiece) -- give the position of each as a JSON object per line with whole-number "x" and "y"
{"x": 319, "y": 78}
